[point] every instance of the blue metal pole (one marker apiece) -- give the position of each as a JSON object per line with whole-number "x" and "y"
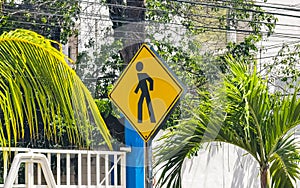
{"x": 135, "y": 171}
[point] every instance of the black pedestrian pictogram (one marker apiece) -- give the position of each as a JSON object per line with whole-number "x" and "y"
{"x": 143, "y": 86}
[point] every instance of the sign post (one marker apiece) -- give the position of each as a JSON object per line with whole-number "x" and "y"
{"x": 135, "y": 159}
{"x": 146, "y": 92}
{"x": 148, "y": 165}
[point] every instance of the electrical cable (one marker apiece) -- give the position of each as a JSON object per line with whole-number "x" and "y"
{"x": 190, "y": 2}
{"x": 171, "y": 23}
{"x": 265, "y": 5}
{"x": 213, "y": 29}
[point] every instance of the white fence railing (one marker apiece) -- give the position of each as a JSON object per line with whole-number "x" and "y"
{"x": 70, "y": 168}
{"x": 29, "y": 159}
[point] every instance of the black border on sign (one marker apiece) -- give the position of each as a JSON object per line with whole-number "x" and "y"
{"x": 168, "y": 71}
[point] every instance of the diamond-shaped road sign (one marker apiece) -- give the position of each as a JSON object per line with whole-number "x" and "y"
{"x": 146, "y": 92}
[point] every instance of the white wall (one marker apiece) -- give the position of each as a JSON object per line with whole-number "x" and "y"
{"x": 223, "y": 166}
{"x": 219, "y": 166}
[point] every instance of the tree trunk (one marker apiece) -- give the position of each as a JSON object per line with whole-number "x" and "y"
{"x": 265, "y": 176}
{"x": 134, "y": 29}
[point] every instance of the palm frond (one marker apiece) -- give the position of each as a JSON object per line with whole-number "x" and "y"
{"x": 36, "y": 84}
{"x": 254, "y": 120}
{"x": 184, "y": 141}
{"x": 285, "y": 162}
{"x": 181, "y": 143}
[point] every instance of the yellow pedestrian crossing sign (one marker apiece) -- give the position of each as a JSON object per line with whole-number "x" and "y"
{"x": 146, "y": 92}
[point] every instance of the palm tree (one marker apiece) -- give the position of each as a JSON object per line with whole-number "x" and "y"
{"x": 253, "y": 119}
{"x": 37, "y": 87}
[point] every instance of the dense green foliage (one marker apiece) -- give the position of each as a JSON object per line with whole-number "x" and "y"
{"x": 52, "y": 19}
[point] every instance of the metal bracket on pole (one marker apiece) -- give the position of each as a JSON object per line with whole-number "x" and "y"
{"x": 29, "y": 159}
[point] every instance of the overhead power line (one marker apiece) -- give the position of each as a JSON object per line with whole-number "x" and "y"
{"x": 273, "y": 46}
{"x": 207, "y": 28}
{"x": 266, "y": 5}
{"x": 188, "y": 2}
{"x": 120, "y": 18}
{"x": 233, "y": 8}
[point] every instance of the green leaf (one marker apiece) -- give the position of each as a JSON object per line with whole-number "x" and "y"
{"x": 38, "y": 86}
